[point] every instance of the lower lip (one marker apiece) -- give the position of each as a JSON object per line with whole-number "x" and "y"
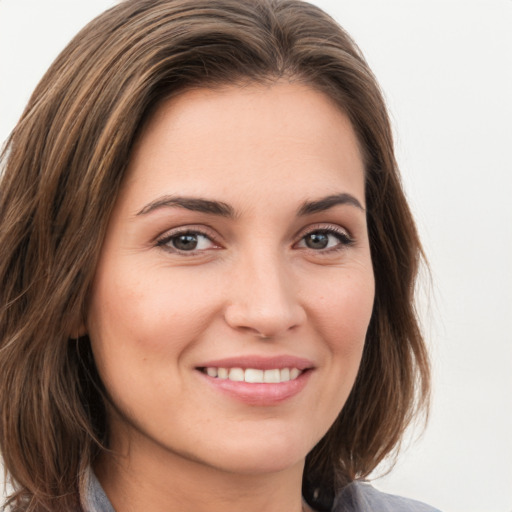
{"x": 259, "y": 394}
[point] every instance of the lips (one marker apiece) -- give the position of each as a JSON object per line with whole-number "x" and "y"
{"x": 258, "y": 380}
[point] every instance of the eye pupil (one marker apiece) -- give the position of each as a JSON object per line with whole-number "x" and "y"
{"x": 317, "y": 240}
{"x": 187, "y": 242}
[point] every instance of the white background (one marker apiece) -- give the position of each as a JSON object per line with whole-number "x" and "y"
{"x": 446, "y": 70}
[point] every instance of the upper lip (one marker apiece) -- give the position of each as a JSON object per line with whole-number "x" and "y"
{"x": 259, "y": 362}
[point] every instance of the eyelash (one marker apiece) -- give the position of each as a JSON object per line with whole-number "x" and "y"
{"x": 165, "y": 241}
{"x": 344, "y": 239}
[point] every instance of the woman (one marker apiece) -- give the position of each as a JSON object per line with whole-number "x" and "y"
{"x": 208, "y": 269}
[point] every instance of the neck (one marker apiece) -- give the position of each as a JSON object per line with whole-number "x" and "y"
{"x": 139, "y": 480}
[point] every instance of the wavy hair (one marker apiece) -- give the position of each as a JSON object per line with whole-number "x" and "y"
{"x": 62, "y": 168}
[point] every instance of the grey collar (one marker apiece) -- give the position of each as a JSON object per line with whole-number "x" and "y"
{"x": 92, "y": 495}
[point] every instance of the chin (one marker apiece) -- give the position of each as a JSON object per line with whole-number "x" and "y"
{"x": 270, "y": 454}
{"x": 261, "y": 464}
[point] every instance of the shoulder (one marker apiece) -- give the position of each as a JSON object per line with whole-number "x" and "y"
{"x": 362, "y": 497}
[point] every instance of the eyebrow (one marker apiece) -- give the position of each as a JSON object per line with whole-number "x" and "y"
{"x": 190, "y": 203}
{"x": 320, "y": 205}
{"x": 224, "y": 210}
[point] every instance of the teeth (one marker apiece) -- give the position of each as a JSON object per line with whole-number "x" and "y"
{"x": 253, "y": 375}
{"x": 236, "y": 374}
{"x": 294, "y": 373}
{"x": 272, "y": 376}
{"x": 212, "y": 372}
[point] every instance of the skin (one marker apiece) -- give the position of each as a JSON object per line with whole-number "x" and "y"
{"x": 156, "y": 312}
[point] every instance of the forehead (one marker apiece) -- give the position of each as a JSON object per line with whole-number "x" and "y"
{"x": 246, "y": 136}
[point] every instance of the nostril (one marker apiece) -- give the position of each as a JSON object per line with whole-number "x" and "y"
{"x": 267, "y": 315}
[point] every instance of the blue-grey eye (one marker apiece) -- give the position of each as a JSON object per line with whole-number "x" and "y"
{"x": 321, "y": 240}
{"x": 317, "y": 240}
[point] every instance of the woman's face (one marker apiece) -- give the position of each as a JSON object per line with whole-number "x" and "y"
{"x": 235, "y": 286}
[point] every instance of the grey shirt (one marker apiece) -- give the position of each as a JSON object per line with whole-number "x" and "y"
{"x": 355, "y": 497}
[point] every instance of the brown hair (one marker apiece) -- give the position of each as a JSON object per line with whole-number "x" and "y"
{"x": 62, "y": 168}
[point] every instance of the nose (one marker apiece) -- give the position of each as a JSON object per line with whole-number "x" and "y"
{"x": 264, "y": 300}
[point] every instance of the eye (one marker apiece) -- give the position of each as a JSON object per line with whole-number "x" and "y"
{"x": 325, "y": 240}
{"x": 186, "y": 241}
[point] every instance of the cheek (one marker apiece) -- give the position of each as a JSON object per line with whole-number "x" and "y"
{"x": 141, "y": 329}
{"x": 148, "y": 312}
{"x": 340, "y": 315}
{"x": 343, "y": 312}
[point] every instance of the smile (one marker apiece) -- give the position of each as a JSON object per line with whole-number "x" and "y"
{"x": 253, "y": 375}
{"x": 257, "y": 380}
